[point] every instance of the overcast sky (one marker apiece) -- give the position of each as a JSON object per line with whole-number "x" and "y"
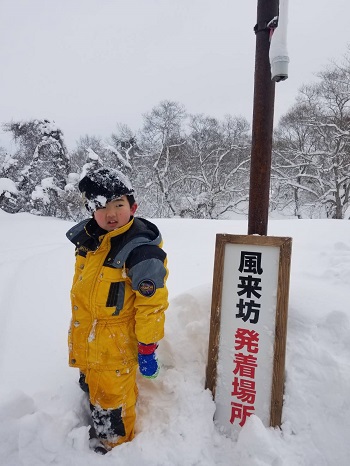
{"x": 89, "y": 64}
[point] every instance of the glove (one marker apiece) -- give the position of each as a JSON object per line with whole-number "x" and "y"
{"x": 148, "y": 363}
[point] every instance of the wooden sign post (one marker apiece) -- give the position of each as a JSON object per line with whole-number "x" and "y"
{"x": 247, "y": 341}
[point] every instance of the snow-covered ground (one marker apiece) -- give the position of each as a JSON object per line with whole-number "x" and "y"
{"x": 43, "y": 411}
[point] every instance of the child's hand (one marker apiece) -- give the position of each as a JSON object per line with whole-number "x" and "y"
{"x": 148, "y": 363}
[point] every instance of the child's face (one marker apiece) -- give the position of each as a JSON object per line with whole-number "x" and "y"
{"x": 115, "y": 214}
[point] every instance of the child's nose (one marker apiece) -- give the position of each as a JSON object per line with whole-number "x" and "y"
{"x": 109, "y": 212}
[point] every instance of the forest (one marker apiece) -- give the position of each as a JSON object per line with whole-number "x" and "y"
{"x": 193, "y": 165}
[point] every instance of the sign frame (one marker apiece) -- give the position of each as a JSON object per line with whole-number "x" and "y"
{"x": 281, "y": 314}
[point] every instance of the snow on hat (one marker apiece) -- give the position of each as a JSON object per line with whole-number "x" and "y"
{"x": 102, "y": 186}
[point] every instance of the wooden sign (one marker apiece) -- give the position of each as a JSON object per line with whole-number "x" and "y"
{"x": 246, "y": 356}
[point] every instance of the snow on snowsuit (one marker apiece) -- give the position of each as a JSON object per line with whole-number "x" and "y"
{"x": 118, "y": 299}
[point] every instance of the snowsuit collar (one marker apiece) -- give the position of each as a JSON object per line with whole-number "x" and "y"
{"x": 88, "y": 235}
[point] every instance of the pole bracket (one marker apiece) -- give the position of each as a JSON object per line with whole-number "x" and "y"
{"x": 266, "y": 25}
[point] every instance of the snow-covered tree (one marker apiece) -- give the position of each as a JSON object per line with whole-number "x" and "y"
{"x": 8, "y": 195}
{"x": 116, "y": 152}
{"x": 79, "y": 155}
{"x": 125, "y": 148}
{"x": 217, "y": 168}
{"x": 197, "y": 166}
{"x": 39, "y": 167}
{"x": 293, "y": 171}
{"x": 162, "y": 140}
{"x": 92, "y": 163}
{"x": 311, "y": 164}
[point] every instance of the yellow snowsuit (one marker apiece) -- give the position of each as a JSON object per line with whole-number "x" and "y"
{"x": 118, "y": 299}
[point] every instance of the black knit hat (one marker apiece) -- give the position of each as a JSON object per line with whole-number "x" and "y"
{"x": 102, "y": 186}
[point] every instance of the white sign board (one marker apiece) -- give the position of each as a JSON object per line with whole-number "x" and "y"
{"x": 248, "y": 329}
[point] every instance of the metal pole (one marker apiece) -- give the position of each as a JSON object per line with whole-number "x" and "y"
{"x": 262, "y": 127}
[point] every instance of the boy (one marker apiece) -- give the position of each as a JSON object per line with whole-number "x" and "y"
{"x": 118, "y": 301}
